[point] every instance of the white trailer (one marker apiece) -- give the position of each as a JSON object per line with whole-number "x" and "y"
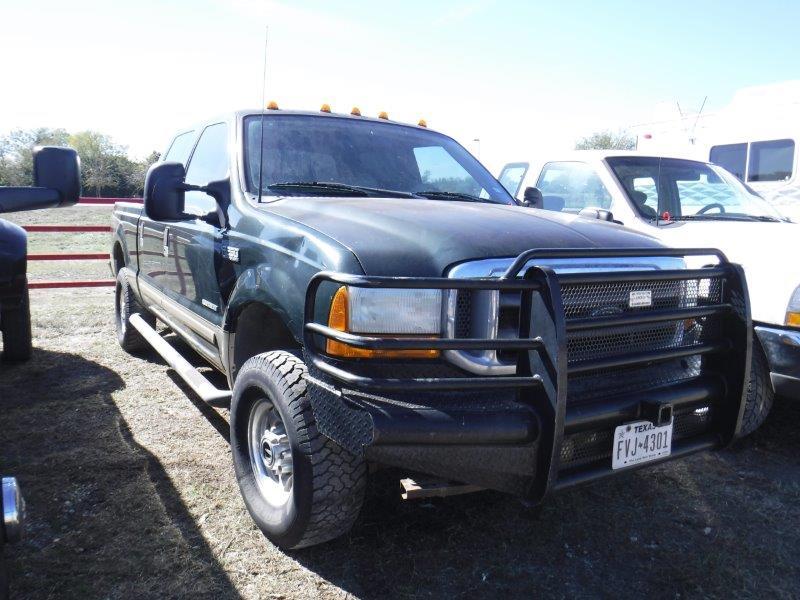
{"x": 754, "y": 137}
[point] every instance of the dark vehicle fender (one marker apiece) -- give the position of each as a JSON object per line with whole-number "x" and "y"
{"x": 13, "y": 262}
{"x": 120, "y": 255}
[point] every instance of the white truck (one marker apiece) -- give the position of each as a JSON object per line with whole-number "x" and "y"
{"x": 684, "y": 203}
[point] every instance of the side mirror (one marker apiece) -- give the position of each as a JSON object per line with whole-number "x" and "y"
{"x": 164, "y": 191}
{"x": 57, "y": 182}
{"x": 533, "y": 198}
{"x": 597, "y": 213}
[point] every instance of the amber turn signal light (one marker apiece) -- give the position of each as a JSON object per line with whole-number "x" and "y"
{"x": 338, "y": 319}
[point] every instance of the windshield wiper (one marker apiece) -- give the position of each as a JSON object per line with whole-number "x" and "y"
{"x": 726, "y": 217}
{"x": 353, "y": 190}
{"x": 437, "y": 195}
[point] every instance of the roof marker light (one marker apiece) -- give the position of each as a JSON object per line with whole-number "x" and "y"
{"x": 325, "y": 108}
{"x": 383, "y": 115}
{"x": 356, "y": 111}
{"x": 422, "y": 123}
{"x": 272, "y": 105}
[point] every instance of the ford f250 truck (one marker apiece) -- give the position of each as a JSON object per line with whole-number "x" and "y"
{"x": 376, "y": 298}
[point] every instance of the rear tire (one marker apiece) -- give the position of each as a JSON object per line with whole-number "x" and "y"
{"x": 322, "y": 497}
{"x": 16, "y": 325}
{"x": 760, "y": 395}
{"x": 126, "y": 305}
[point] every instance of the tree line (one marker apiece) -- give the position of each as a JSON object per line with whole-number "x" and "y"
{"x": 106, "y": 168}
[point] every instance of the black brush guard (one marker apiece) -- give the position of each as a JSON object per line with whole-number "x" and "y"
{"x": 517, "y": 447}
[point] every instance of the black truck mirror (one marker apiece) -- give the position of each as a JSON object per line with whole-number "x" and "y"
{"x": 600, "y": 214}
{"x": 533, "y": 198}
{"x": 57, "y": 182}
{"x": 164, "y": 191}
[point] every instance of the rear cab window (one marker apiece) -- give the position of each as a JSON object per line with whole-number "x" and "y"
{"x": 572, "y": 186}
{"x": 771, "y": 161}
{"x": 180, "y": 148}
{"x": 767, "y": 160}
{"x": 209, "y": 162}
{"x": 732, "y": 157}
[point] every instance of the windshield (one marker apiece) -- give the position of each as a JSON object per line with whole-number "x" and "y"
{"x": 308, "y": 155}
{"x": 687, "y": 190}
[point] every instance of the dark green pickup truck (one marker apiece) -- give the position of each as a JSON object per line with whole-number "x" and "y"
{"x": 377, "y": 299}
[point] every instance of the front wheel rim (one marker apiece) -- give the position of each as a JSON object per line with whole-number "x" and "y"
{"x": 270, "y": 453}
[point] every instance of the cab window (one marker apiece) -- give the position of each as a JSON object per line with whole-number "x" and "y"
{"x": 771, "y": 160}
{"x": 180, "y": 148}
{"x": 572, "y": 186}
{"x": 732, "y": 157}
{"x": 512, "y": 175}
{"x": 209, "y": 162}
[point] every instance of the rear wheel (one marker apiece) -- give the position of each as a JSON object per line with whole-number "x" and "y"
{"x": 300, "y": 487}
{"x": 126, "y": 305}
{"x": 16, "y": 325}
{"x": 760, "y": 395}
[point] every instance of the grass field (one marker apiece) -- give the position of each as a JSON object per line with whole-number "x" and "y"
{"x": 131, "y": 493}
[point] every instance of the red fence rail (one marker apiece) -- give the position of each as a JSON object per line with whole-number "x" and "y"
{"x": 89, "y": 202}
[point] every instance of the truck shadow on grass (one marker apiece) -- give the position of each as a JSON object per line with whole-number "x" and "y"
{"x": 104, "y": 518}
{"x": 714, "y": 524}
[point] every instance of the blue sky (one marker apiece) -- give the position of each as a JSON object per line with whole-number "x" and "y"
{"x": 518, "y": 75}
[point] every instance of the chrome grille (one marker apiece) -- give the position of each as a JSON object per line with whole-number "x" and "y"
{"x": 610, "y": 298}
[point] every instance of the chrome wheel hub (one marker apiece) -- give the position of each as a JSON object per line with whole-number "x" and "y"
{"x": 270, "y": 453}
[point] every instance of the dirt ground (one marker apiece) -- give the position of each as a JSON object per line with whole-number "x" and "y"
{"x": 131, "y": 493}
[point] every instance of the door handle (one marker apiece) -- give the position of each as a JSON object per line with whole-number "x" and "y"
{"x": 166, "y": 242}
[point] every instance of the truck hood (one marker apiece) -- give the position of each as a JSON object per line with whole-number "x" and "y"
{"x": 767, "y": 251}
{"x": 421, "y": 238}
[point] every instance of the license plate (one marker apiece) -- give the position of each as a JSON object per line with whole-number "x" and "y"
{"x": 640, "y": 442}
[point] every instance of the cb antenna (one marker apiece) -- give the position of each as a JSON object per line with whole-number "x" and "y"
{"x": 263, "y": 110}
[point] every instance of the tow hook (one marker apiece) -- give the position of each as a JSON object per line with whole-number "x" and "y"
{"x": 658, "y": 413}
{"x": 13, "y": 510}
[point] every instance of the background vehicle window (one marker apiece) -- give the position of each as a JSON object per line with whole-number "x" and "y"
{"x": 646, "y": 186}
{"x": 732, "y": 157}
{"x": 771, "y": 160}
{"x": 209, "y": 162}
{"x": 571, "y": 186}
{"x": 512, "y": 175}
{"x": 699, "y": 188}
{"x": 180, "y": 148}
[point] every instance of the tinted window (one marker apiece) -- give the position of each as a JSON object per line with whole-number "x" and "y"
{"x": 180, "y": 148}
{"x": 686, "y": 189}
{"x": 439, "y": 171}
{"x": 209, "y": 162}
{"x": 732, "y": 157}
{"x": 512, "y": 175}
{"x": 571, "y": 186}
{"x": 362, "y": 152}
{"x": 771, "y": 161}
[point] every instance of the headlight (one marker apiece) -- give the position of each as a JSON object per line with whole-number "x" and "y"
{"x": 793, "y": 310}
{"x": 385, "y": 311}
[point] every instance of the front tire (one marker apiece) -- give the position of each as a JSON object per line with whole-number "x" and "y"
{"x": 16, "y": 325}
{"x": 760, "y": 395}
{"x": 126, "y": 305}
{"x": 301, "y": 488}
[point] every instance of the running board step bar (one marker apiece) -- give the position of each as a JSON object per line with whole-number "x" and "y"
{"x": 193, "y": 378}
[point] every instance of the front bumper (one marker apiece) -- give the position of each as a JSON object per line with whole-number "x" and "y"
{"x": 522, "y": 433}
{"x": 13, "y": 511}
{"x": 782, "y": 348}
